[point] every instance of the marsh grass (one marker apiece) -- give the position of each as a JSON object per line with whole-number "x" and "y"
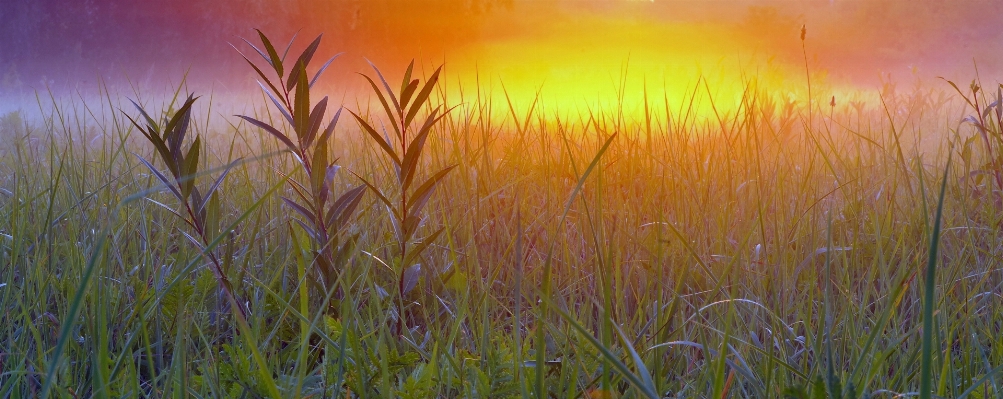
{"x": 754, "y": 254}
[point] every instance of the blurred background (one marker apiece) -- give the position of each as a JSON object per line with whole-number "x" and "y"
{"x": 578, "y": 52}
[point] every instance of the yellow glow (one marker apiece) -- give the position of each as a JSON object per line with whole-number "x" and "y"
{"x": 598, "y": 61}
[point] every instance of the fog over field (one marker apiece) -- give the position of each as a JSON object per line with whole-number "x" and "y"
{"x": 501, "y": 198}
{"x": 571, "y": 48}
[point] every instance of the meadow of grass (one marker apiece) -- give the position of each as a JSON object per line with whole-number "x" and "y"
{"x": 776, "y": 250}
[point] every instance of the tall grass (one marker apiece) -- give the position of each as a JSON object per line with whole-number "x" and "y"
{"x": 768, "y": 252}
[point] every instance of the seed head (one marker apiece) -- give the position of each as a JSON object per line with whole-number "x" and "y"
{"x": 803, "y": 31}
{"x": 832, "y": 103}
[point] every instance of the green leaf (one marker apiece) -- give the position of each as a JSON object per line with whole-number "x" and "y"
{"x": 649, "y": 385}
{"x": 191, "y": 167}
{"x": 818, "y": 388}
{"x": 407, "y": 91}
{"x": 422, "y": 96}
{"x": 343, "y": 207}
{"x": 386, "y": 108}
{"x": 271, "y": 130}
{"x": 638, "y": 382}
{"x": 217, "y": 182}
{"x": 421, "y": 247}
{"x": 318, "y": 173}
{"x": 305, "y": 57}
{"x": 278, "y": 105}
{"x": 424, "y": 192}
{"x": 410, "y": 163}
{"x": 300, "y": 209}
{"x": 406, "y": 80}
{"x": 330, "y": 128}
{"x": 259, "y": 72}
{"x": 379, "y": 139}
{"x": 153, "y": 125}
{"x": 301, "y": 106}
{"x": 926, "y": 370}
{"x": 410, "y": 277}
{"x": 260, "y": 53}
{"x": 316, "y": 118}
{"x": 174, "y": 132}
{"x": 212, "y": 216}
{"x": 162, "y": 178}
{"x": 379, "y": 194}
{"x": 160, "y": 146}
{"x": 276, "y": 61}
{"x": 323, "y": 68}
{"x": 390, "y": 93}
{"x": 412, "y": 152}
{"x": 289, "y": 46}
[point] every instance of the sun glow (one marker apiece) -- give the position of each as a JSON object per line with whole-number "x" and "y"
{"x": 571, "y": 59}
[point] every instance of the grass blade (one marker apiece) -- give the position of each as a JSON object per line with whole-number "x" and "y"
{"x": 926, "y": 370}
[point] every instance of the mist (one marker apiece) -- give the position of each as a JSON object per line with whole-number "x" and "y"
{"x": 67, "y": 47}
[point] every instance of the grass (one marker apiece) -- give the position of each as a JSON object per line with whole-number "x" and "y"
{"x": 773, "y": 251}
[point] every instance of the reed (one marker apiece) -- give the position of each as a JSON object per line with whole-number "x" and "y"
{"x": 774, "y": 251}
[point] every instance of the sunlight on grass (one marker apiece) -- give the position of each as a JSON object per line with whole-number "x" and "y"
{"x": 477, "y": 245}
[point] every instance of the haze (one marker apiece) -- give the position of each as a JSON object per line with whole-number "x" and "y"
{"x": 578, "y": 52}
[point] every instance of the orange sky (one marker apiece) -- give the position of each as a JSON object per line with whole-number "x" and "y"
{"x": 576, "y": 50}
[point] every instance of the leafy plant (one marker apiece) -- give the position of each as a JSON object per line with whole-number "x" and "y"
{"x": 322, "y": 218}
{"x": 404, "y": 204}
{"x": 988, "y": 121}
{"x": 200, "y": 211}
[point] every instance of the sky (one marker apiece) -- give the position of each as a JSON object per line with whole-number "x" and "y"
{"x": 575, "y": 52}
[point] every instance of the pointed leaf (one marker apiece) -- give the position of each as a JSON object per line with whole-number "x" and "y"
{"x": 149, "y": 120}
{"x": 386, "y": 107}
{"x": 309, "y": 230}
{"x": 212, "y": 216}
{"x": 319, "y": 170}
{"x": 407, "y": 91}
{"x": 420, "y": 248}
{"x": 410, "y": 163}
{"x": 217, "y": 182}
{"x": 195, "y": 242}
{"x": 258, "y": 71}
{"x": 410, "y": 277}
{"x": 409, "y": 227}
{"x": 396, "y": 224}
{"x": 390, "y": 93}
{"x": 316, "y": 118}
{"x": 304, "y": 59}
{"x": 648, "y": 384}
{"x": 276, "y": 61}
{"x": 161, "y": 147}
{"x": 300, "y": 190}
{"x": 344, "y": 251}
{"x": 306, "y": 213}
{"x": 424, "y": 192}
{"x": 301, "y": 107}
{"x": 289, "y": 46}
{"x": 379, "y": 139}
{"x": 176, "y": 127}
{"x": 260, "y": 53}
{"x": 376, "y": 191}
{"x": 161, "y": 177}
{"x": 191, "y": 165}
{"x": 330, "y": 128}
{"x": 172, "y": 211}
{"x": 271, "y": 130}
{"x": 278, "y": 105}
{"x": 323, "y": 68}
{"x": 344, "y": 207}
{"x": 422, "y": 96}
{"x": 406, "y": 80}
